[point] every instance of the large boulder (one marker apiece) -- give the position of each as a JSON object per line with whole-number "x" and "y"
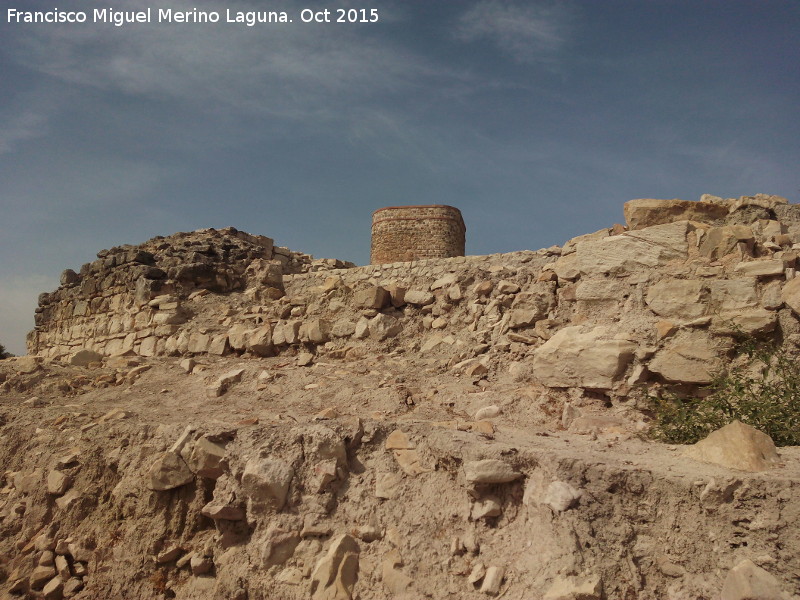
{"x": 633, "y": 251}
{"x": 581, "y": 357}
{"x": 646, "y": 212}
{"x": 736, "y": 446}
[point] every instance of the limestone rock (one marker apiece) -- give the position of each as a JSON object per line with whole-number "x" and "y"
{"x": 418, "y": 297}
{"x": 206, "y": 458}
{"x": 575, "y": 588}
{"x": 383, "y": 326}
{"x": 443, "y": 282}
{"x": 736, "y": 446}
{"x": 688, "y": 358}
{"x": 790, "y": 294}
{"x": 561, "y": 496}
{"x": 677, "y": 298}
{"x": 580, "y": 357}
{"x": 279, "y": 546}
{"x": 634, "y": 251}
{"x": 58, "y": 483}
{"x": 396, "y": 582}
{"x": 566, "y": 267}
{"x": 729, "y": 295}
{"x": 259, "y": 341}
{"x": 486, "y": 507}
{"x": 336, "y": 573}
{"x": 168, "y": 472}
{"x": 374, "y": 297}
{"x": 316, "y": 331}
{"x": 753, "y": 322}
{"x": 41, "y": 575}
{"x": 647, "y": 212}
{"x": 493, "y": 580}
{"x": 54, "y": 589}
{"x": 760, "y": 268}
{"x": 343, "y": 328}
{"x": 490, "y": 470}
{"x": 200, "y": 565}
{"x": 746, "y": 581}
{"x": 85, "y": 357}
{"x": 519, "y": 318}
{"x": 223, "y": 383}
{"x": 72, "y": 587}
{"x": 720, "y": 241}
{"x": 219, "y": 510}
{"x": 266, "y": 481}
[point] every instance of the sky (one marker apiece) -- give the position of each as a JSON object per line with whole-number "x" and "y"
{"x": 538, "y": 120}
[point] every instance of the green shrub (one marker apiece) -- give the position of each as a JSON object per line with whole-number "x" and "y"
{"x": 765, "y": 393}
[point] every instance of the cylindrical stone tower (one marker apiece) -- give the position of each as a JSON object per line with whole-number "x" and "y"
{"x": 404, "y": 233}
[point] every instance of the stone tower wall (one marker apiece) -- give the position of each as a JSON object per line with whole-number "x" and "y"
{"x": 406, "y": 233}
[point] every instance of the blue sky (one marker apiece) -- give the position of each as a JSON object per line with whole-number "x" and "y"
{"x": 537, "y": 119}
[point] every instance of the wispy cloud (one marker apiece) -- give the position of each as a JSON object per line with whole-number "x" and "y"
{"x": 271, "y": 70}
{"x": 20, "y": 125}
{"x": 526, "y": 32}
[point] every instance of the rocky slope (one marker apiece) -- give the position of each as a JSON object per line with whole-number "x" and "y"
{"x": 206, "y": 417}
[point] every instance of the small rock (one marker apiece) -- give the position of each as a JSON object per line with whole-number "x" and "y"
{"x": 418, "y": 297}
{"x": 72, "y": 587}
{"x": 336, "y": 573}
{"x": 488, "y": 412}
{"x": 83, "y": 358}
{"x": 206, "y": 459}
{"x": 170, "y": 554}
{"x": 221, "y": 385}
{"x": 561, "y": 496}
{"x": 490, "y": 471}
{"x": 493, "y": 580}
{"x": 41, "y": 575}
{"x": 478, "y": 572}
{"x": 201, "y": 565}
{"x": 486, "y": 508}
{"x": 304, "y": 359}
{"x": 54, "y": 590}
{"x": 218, "y": 510}
{"x": 168, "y": 472}
{"x": 62, "y": 567}
{"x": 572, "y": 588}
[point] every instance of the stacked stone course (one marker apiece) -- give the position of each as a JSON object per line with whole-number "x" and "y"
{"x": 408, "y": 233}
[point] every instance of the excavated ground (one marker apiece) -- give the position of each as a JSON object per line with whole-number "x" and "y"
{"x": 380, "y": 453}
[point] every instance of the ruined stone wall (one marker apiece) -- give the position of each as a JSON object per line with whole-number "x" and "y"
{"x": 133, "y": 298}
{"x": 406, "y": 233}
{"x": 660, "y": 300}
